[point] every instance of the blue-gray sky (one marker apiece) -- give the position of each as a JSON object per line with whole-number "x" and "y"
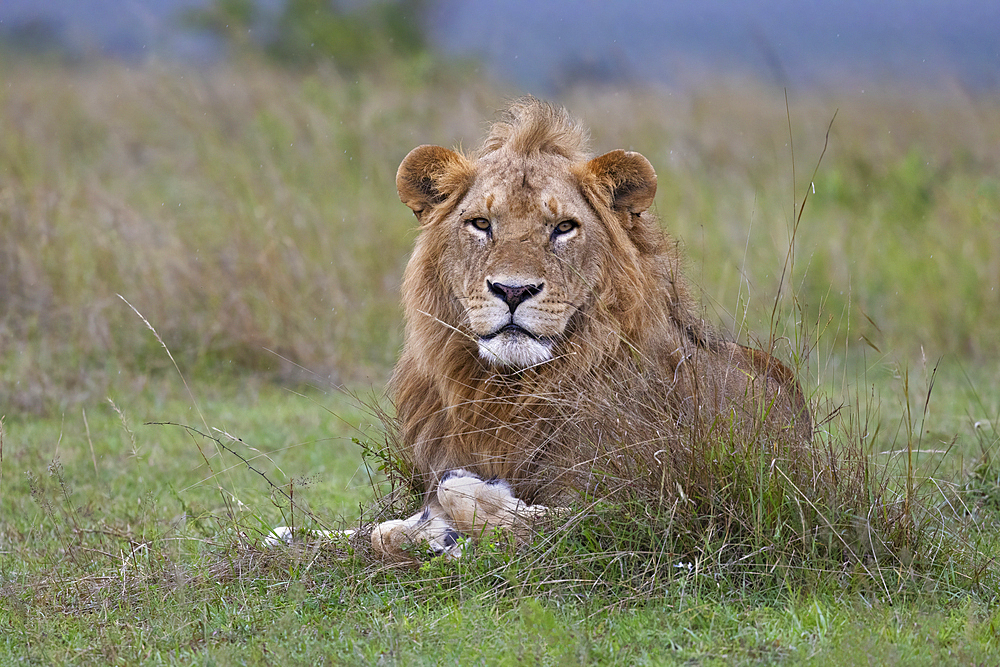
{"x": 535, "y": 42}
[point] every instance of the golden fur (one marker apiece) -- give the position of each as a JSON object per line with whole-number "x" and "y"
{"x": 546, "y": 317}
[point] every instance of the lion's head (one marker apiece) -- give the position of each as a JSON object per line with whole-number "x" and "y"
{"x": 524, "y": 249}
{"x": 538, "y": 274}
{"x": 529, "y": 237}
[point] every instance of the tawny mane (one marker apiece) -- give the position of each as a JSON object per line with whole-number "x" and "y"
{"x": 528, "y": 127}
{"x": 636, "y": 372}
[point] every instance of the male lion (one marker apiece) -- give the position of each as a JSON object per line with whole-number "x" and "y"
{"x": 549, "y": 333}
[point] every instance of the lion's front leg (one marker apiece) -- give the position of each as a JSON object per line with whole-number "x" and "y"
{"x": 395, "y": 539}
{"x": 477, "y": 506}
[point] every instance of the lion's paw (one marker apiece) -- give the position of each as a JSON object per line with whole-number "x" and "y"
{"x": 477, "y": 506}
{"x": 396, "y": 539}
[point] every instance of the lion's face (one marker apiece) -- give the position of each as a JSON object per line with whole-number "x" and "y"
{"x": 518, "y": 241}
{"x": 522, "y": 257}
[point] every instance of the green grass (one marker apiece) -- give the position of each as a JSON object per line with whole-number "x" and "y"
{"x": 107, "y": 452}
{"x": 124, "y": 542}
{"x": 250, "y": 216}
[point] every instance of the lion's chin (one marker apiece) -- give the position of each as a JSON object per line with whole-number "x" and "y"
{"x": 514, "y": 350}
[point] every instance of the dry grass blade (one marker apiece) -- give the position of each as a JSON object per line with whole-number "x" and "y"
{"x": 177, "y": 368}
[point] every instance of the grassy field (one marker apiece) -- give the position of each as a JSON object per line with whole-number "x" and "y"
{"x": 250, "y": 216}
{"x": 128, "y": 542}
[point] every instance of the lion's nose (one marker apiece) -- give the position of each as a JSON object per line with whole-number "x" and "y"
{"x": 514, "y": 295}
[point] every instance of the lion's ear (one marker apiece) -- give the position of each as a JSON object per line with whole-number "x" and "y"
{"x": 428, "y": 175}
{"x": 629, "y": 178}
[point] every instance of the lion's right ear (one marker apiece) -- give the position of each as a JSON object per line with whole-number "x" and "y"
{"x": 628, "y": 179}
{"x": 429, "y": 175}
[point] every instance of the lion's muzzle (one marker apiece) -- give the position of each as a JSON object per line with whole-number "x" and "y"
{"x": 513, "y": 340}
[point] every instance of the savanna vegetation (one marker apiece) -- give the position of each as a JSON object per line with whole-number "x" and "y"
{"x": 199, "y": 307}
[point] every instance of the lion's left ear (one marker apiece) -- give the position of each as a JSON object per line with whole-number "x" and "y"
{"x": 628, "y": 177}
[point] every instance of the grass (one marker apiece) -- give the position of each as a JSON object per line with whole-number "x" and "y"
{"x": 249, "y": 215}
{"x": 141, "y": 558}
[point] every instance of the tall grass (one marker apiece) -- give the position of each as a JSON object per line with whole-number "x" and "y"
{"x": 899, "y": 220}
{"x": 250, "y": 214}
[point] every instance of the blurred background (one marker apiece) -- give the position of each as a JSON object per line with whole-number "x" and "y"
{"x": 543, "y": 45}
{"x": 227, "y": 167}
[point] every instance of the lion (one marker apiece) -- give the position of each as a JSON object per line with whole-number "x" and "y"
{"x": 548, "y": 329}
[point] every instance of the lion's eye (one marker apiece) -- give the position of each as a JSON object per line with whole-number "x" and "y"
{"x": 481, "y": 224}
{"x": 565, "y": 227}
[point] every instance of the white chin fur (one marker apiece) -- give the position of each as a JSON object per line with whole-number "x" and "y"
{"x": 514, "y": 350}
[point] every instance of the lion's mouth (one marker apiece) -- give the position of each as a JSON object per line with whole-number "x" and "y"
{"x": 513, "y": 346}
{"x": 512, "y": 329}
